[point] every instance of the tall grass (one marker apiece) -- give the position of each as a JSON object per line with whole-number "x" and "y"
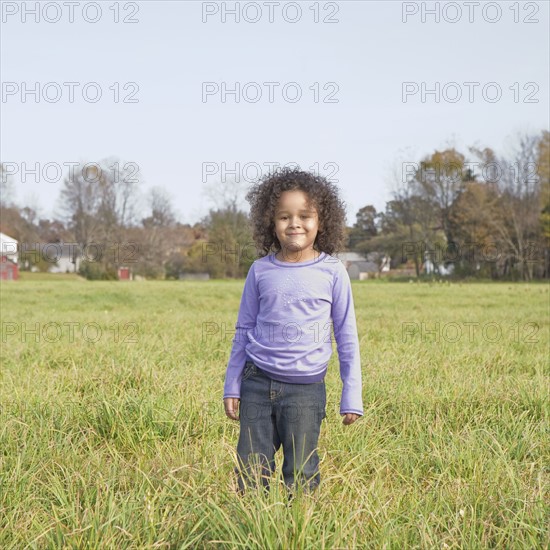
{"x": 123, "y": 442}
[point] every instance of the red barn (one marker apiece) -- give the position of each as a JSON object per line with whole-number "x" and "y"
{"x": 123, "y": 273}
{"x": 9, "y": 271}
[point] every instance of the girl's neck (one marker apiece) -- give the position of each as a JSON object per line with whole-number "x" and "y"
{"x": 297, "y": 256}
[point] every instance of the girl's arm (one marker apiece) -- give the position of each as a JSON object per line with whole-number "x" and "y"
{"x": 347, "y": 343}
{"x": 246, "y": 320}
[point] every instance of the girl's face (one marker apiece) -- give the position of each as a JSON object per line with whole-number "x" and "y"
{"x": 296, "y": 225}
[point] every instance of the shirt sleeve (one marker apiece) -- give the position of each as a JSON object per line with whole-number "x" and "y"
{"x": 347, "y": 343}
{"x": 246, "y": 321}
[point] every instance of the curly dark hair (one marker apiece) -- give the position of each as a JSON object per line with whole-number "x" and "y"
{"x": 264, "y": 196}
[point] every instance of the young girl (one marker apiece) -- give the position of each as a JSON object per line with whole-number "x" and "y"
{"x": 282, "y": 343}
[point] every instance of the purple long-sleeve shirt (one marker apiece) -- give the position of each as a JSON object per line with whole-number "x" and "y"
{"x": 284, "y": 326}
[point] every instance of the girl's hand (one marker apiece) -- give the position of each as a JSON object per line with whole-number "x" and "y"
{"x": 231, "y": 405}
{"x": 350, "y": 418}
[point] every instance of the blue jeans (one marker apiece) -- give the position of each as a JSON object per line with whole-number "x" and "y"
{"x": 272, "y": 414}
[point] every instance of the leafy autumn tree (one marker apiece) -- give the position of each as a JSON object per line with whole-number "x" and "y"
{"x": 409, "y": 226}
{"x": 439, "y": 180}
{"x": 472, "y": 217}
{"x": 229, "y": 250}
{"x": 364, "y": 228}
{"x": 409, "y": 231}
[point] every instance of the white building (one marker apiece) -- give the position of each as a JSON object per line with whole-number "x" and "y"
{"x": 62, "y": 257}
{"x": 9, "y": 247}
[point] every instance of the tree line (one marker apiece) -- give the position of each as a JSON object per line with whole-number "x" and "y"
{"x": 486, "y": 216}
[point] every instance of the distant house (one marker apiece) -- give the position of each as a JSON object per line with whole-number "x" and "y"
{"x": 61, "y": 257}
{"x": 347, "y": 257}
{"x": 363, "y": 270}
{"x": 9, "y": 270}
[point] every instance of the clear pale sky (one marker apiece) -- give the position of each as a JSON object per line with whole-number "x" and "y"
{"x": 172, "y": 130}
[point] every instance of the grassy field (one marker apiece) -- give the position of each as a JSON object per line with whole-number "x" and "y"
{"x": 113, "y": 433}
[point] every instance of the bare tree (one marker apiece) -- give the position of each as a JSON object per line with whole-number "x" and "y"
{"x": 99, "y": 202}
{"x": 519, "y": 194}
{"x": 79, "y": 207}
{"x": 158, "y": 237}
{"x": 228, "y": 193}
{"x": 162, "y": 211}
